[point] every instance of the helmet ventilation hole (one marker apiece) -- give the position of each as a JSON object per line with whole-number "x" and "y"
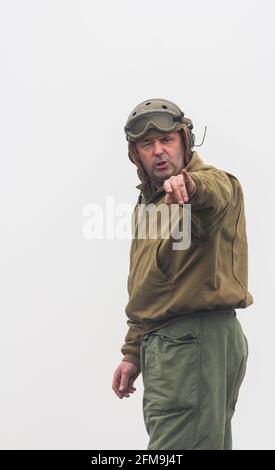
{"x": 149, "y": 102}
{"x": 164, "y": 106}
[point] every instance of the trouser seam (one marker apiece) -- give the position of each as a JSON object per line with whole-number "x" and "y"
{"x": 197, "y": 409}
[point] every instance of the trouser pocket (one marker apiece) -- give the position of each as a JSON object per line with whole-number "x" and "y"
{"x": 171, "y": 371}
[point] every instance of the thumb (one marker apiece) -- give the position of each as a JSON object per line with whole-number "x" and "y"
{"x": 124, "y": 382}
{"x": 184, "y": 173}
{"x": 188, "y": 180}
{"x": 186, "y": 176}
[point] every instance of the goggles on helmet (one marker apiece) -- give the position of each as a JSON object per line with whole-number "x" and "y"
{"x": 163, "y": 121}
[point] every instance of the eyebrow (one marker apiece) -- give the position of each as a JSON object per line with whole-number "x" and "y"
{"x": 161, "y": 137}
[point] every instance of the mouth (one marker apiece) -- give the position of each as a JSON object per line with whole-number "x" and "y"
{"x": 161, "y": 165}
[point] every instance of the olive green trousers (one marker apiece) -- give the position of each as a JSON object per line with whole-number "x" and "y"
{"x": 192, "y": 371}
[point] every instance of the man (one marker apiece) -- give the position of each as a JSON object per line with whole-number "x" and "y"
{"x": 184, "y": 336}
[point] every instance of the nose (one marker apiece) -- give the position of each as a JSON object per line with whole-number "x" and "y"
{"x": 158, "y": 150}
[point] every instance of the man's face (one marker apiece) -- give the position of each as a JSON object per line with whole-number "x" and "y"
{"x": 162, "y": 155}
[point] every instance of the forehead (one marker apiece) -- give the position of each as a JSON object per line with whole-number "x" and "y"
{"x": 154, "y": 134}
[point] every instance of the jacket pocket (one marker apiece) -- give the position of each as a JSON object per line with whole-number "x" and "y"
{"x": 157, "y": 265}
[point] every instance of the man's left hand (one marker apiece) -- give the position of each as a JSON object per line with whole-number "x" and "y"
{"x": 178, "y": 188}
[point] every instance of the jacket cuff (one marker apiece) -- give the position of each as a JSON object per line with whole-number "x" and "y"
{"x": 133, "y": 359}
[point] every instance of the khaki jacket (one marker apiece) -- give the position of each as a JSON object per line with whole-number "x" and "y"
{"x": 164, "y": 283}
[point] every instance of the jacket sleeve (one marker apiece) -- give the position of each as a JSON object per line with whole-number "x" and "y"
{"x": 131, "y": 346}
{"x": 210, "y": 201}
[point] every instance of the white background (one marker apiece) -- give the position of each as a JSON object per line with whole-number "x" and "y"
{"x": 71, "y": 72}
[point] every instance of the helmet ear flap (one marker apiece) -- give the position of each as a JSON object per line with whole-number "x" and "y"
{"x": 188, "y": 139}
{"x": 192, "y": 138}
{"x": 129, "y": 155}
{"x": 187, "y": 130}
{"x": 135, "y": 159}
{"x": 190, "y": 126}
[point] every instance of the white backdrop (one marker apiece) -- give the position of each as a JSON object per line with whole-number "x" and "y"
{"x": 71, "y": 72}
